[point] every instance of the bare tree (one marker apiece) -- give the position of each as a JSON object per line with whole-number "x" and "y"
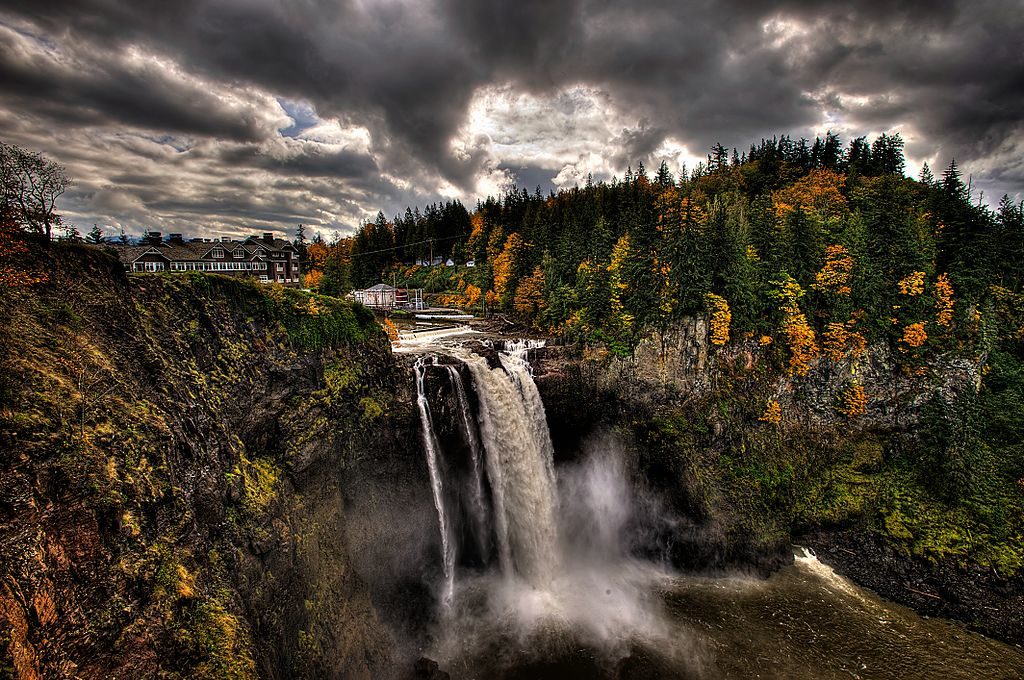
{"x": 31, "y": 184}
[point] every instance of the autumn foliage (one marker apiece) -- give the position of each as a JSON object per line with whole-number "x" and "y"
{"x": 720, "y": 318}
{"x": 800, "y": 336}
{"x": 530, "y": 293}
{"x": 835, "y": 276}
{"x": 818, "y": 194}
{"x": 914, "y": 336}
{"x": 772, "y": 413}
{"x": 944, "y": 301}
{"x": 853, "y": 401}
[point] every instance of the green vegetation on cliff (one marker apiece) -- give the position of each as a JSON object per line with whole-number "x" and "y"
{"x": 149, "y": 495}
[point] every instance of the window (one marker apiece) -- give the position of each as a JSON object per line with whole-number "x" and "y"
{"x": 154, "y": 266}
{"x": 239, "y": 253}
{"x": 280, "y": 266}
{"x": 217, "y": 252}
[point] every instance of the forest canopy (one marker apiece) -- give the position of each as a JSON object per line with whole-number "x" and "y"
{"x": 830, "y": 243}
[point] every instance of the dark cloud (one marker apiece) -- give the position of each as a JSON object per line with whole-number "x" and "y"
{"x": 199, "y": 93}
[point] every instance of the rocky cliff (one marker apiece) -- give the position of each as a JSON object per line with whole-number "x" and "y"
{"x": 892, "y": 493}
{"x": 190, "y": 478}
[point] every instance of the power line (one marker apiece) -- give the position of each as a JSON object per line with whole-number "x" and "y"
{"x": 417, "y": 243}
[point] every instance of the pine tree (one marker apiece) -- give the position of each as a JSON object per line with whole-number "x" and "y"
{"x": 95, "y": 235}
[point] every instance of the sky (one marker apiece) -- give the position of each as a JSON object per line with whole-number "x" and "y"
{"x": 228, "y": 117}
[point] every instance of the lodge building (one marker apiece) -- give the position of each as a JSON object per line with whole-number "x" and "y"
{"x": 269, "y": 259}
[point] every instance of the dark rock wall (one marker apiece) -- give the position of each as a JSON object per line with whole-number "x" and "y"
{"x": 191, "y": 479}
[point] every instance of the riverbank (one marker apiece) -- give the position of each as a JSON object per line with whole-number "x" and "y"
{"x": 983, "y": 600}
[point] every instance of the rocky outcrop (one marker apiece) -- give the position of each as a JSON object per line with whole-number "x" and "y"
{"x": 190, "y": 478}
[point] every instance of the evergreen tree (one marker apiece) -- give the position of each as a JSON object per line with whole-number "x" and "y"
{"x": 95, "y": 235}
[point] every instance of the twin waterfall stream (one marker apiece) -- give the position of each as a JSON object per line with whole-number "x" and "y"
{"x": 547, "y": 574}
{"x": 511, "y": 456}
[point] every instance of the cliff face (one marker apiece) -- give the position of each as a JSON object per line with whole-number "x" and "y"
{"x": 186, "y": 464}
{"x": 870, "y": 489}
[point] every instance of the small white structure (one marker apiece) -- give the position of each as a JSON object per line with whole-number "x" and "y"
{"x": 381, "y": 296}
{"x": 449, "y": 262}
{"x": 470, "y": 263}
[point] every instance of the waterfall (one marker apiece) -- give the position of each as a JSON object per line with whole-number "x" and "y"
{"x": 511, "y": 449}
{"x": 479, "y": 512}
{"x": 519, "y": 468}
{"x": 432, "y": 447}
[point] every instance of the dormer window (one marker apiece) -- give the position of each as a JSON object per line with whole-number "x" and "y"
{"x": 218, "y": 252}
{"x": 238, "y": 253}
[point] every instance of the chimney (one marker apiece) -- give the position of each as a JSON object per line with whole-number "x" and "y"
{"x": 197, "y": 239}
{"x": 176, "y": 239}
{"x": 225, "y": 239}
{"x": 268, "y": 237}
{"x": 153, "y": 238}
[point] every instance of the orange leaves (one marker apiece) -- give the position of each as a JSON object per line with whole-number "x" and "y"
{"x": 390, "y": 329}
{"x": 835, "y": 275}
{"x": 803, "y": 346}
{"x": 721, "y": 318}
{"x": 800, "y": 337}
{"x": 312, "y": 278}
{"x": 530, "y": 293}
{"x": 914, "y": 336}
{"x": 772, "y": 413}
{"x": 853, "y": 401}
{"x": 472, "y": 295}
{"x": 840, "y": 339}
{"x": 912, "y": 284}
{"x": 505, "y": 264}
{"x": 818, "y": 194}
{"x": 944, "y": 301}
{"x": 316, "y": 255}
{"x": 476, "y": 234}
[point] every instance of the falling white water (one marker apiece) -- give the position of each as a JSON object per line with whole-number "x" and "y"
{"x": 519, "y": 467}
{"x": 481, "y": 525}
{"x": 515, "y": 360}
{"x": 430, "y": 444}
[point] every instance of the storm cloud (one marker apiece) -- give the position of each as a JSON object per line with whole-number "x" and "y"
{"x": 231, "y": 115}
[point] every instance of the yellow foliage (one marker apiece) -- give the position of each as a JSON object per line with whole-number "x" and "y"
{"x": 472, "y": 295}
{"x": 772, "y": 413}
{"x": 619, "y": 285}
{"x": 800, "y": 337}
{"x": 912, "y": 284}
{"x": 819, "y": 194}
{"x": 765, "y": 340}
{"x": 944, "y": 301}
{"x": 721, "y": 318}
{"x": 476, "y": 234}
{"x": 853, "y": 401}
{"x": 835, "y": 275}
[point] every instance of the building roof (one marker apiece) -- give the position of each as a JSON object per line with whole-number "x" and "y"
{"x": 380, "y": 287}
{"x": 188, "y": 251}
